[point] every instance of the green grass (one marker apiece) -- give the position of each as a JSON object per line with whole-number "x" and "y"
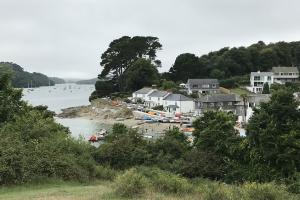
{"x": 240, "y": 91}
{"x": 56, "y": 191}
{"x": 201, "y": 189}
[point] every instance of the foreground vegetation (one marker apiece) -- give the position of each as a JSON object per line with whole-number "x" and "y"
{"x": 218, "y": 164}
{"x": 146, "y": 183}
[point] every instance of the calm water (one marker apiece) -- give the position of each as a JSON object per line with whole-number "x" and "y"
{"x": 64, "y": 96}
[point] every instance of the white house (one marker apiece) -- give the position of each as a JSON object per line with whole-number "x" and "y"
{"x": 178, "y": 103}
{"x": 142, "y": 93}
{"x": 203, "y": 86}
{"x": 285, "y": 74}
{"x": 155, "y": 98}
{"x": 258, "y": 79}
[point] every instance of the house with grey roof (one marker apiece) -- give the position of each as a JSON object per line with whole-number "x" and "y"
{"x": 142, "y": 93}
{"x": 202, "y": 86}
{"x": 285, "y": 74}
{"x": 225, "y": 102}
{"x": 178, "y": 103}
{"x": 155, "y": 98}
{"x": 258, "y": 79}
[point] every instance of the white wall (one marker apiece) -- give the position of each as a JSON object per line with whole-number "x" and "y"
{"x": 184, "y": 106}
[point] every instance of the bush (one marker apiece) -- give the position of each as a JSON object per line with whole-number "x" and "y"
{"x": 167, "y": 182}
{"x": 268, "y": 191}
{"x": 160, "y": 107}
{"x": 34, "y": 146}
{"x": 131, "y": 184}
{"x": 105, "y": 173}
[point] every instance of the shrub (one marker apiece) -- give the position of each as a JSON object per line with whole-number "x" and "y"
{"x": 268, "y": 191}
{"x": 105, "y": 173}
{"x": 131, "y": 184}
{"x": 167, "y": 182}
{"x": 160, "y": 107}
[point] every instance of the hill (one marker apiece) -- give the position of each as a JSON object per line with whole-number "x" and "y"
{"x": 237, "y": 61}
{"x": 57, "y": 80}
{"x": 23, "y": 79}
{"x": 89, "y": 81}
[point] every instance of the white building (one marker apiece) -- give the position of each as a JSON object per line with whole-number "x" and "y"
{"x": 142, "y": 93}
{"x": 155, "y": 98}
{"x": 178, "y": 103}
{"x": 285, "y": 74}
{"x": 258, "y": 79}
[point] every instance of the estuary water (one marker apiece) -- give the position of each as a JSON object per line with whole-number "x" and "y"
{"x": 63, "y": 96}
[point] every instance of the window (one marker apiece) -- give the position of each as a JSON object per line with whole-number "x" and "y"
{"x": 205, "y": 86}
{"x": 195, "y": 86}
{"x": 256, "y": 78}
{"x": 269, "y": 78}
{"x": 290, "y": 74}
{"x": 214, "y": 86}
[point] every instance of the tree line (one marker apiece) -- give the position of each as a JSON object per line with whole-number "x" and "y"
{"x": 23, "y": 79}
{"x": 237, "y": 61}
{"x": 130, "y": 63}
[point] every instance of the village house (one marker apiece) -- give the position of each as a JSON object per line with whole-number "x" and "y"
{"x": 225, "y": 102}
{"x": 155, "y": 98}
{"x": 285, "y": 74}
{"x": 142, "y": 94}
{"x": 202, "y": 86}
{"x": 178, "y": 103}
{"x": 258, "y": 79}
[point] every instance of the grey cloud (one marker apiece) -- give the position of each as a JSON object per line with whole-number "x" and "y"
{"x": 66, "y": 37}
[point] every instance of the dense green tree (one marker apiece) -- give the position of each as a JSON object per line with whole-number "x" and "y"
{"x": 142, "y": 73}
{"x": 273, "y": 134}
{"x": 23, "y": 79}
{"x": 167, "y": 85}
{"x": 184, "y": 66}
{"x": 123, "y": 149}
{"x": 215, "y": 132}
{"x": 231, "y": 62}
{"x": 218, "y": 74}
{"x": 10, "y": 99}
{"x": 266, "y": 89}
{"x": 102, "y": 89}
{"x": 123, "y": 52}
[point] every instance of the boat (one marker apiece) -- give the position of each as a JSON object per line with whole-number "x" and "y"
{"x": 98, "y": 136}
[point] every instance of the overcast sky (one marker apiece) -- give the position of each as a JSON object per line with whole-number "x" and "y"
{"x": 66, "y": 38}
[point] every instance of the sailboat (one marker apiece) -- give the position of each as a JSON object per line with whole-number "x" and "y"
{"x": 30, "y": 88}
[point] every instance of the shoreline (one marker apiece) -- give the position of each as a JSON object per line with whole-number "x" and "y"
{"x": 104, "y": 113}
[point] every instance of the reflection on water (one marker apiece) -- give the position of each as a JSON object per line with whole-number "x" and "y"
{"x": 63, "y": 96}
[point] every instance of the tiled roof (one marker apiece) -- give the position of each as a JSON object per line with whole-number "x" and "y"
{"x": 261, "y": 73}
{"x": 219, "y": 98}
{"x": 158, "y": 93}
{"x": 177, "y": 97}
{"x": 202, "y": 81}
{"x": 285, "y": 69}
{"x": 144, "y": 90}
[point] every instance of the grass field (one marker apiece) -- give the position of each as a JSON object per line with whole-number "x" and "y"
{"x": 240, "y": 91}
{"x": 57, "y": 191}
{"x": 72, "y": 191}
{"x": 102, "y": 190}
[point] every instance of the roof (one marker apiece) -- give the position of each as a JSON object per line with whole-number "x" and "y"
{"x": 261, "y": 73}
{"x": 158, "y": 93}
{"x": 144, "y": 90}
{"x": 202, "y": 81}
{"x": 177, "y": 97}
{"x": 220, "y": 98}
{"x": 285, "y": 69}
